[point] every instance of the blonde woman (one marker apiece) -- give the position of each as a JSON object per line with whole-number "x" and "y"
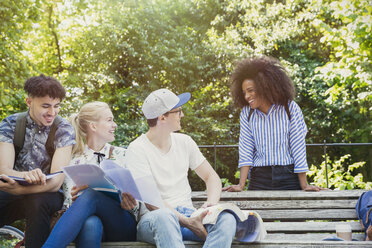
{"x": 93, "y": 217}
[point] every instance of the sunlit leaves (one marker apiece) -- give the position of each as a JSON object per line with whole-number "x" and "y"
{"x": 340, "y": 177}
{"x": 118, "y": 51}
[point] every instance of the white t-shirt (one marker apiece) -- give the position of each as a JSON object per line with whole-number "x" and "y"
{"x": 169, "y": 170}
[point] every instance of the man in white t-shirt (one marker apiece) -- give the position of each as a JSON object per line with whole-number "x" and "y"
{"x": 168, "y": 156}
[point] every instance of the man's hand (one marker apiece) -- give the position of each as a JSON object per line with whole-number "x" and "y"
{"x": 7, "y": 183}
{"x": 233, "y": 188}
{"x": 208, "y": 204}
{"x": 75, "y": 191}
{"x": 127, "y": 201}
{"x": 195, "y": 224}
{"x": 35, "y": 177}
{"x": 150, "y": 207}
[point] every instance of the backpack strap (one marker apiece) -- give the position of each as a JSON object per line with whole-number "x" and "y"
{"x": 49, "y": 145}
{"x": 287, "y": 111}
{"x": 250, "y": 113}
{"x": 19, "y": 133}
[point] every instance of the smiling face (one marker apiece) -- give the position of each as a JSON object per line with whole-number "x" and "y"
{"x": 105, "y": 127}
{"x": 43, "y": 110}
{"x": 254, "y": 101}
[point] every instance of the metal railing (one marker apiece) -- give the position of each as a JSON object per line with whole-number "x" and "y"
{"x": 324, "y": 145}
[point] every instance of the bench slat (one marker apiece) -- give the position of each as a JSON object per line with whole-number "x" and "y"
{"x": 262, "y": 244}
{"x": 308, "y": 236}
{"x": 305, "y": 244}
{"x": 282, "y": 195}
{"x": 308, "y": 226}
{"x": 287, "y": 204}
{"x": 308, "y": 214}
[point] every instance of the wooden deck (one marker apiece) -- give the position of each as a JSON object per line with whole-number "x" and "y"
{"x": 291, "y": 218}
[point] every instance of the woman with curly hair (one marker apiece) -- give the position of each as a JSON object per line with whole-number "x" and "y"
{"x": 272, "y": 149}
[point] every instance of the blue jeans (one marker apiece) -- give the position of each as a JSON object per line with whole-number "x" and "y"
{"x": 161, "y": 227}
{"x": 117, "y": 223}
{"x": 91, "y": 234}
{"x": 276, "y": 177}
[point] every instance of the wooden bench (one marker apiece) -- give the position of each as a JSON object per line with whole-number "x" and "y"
{"x": 291, "y": 218}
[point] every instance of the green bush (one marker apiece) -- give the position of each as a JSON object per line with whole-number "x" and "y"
{"x": 340, "y": 175}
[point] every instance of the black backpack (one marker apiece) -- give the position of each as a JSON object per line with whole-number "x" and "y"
{"x": 363, "y": 209}
{"x": 20, "y": 132}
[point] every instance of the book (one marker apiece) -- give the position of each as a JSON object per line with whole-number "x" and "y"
{"x": 23, "y": 181}
{"x": 249, "y": 224}
{"x": 113, "y": 179}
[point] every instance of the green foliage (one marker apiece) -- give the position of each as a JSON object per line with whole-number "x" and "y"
{"x": 118, "y": 51}
{"x": 8, "y": 243}
{"x": 16, "y": 19}
{"x": 339, "y": 177}
{"x": 347, "y": 72}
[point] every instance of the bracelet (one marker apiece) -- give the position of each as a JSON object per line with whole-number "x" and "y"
{"x": 135, "y": 210}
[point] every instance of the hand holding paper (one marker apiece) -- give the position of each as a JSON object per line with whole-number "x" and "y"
{"x": 114, "y": 178}
{"x": 26, "y": 182}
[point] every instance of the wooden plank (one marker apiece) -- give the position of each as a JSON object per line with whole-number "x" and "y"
{"x": 260, "y": 244}
{"x": 308, "y": 214}
{"x": 304, "y": 244}
{"x": 291, "y": 204}
{"x": 282, "y": 194}
{"x": 318, "y": 227}
{"x": 308, "y": 236}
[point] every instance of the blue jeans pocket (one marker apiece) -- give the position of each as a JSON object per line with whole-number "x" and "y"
{"x": 284, "y": 178}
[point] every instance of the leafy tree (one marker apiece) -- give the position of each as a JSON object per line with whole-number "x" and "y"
{"x": 16, "y": 18}
{"x": 118, "y": 51}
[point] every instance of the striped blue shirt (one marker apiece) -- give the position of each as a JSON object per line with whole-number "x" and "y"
{"x": 271, "y": 139}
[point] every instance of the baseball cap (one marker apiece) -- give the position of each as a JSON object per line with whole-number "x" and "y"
{"x": 161, "y": 101}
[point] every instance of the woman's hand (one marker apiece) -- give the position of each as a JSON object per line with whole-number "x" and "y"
{"x": 127, "y": 201}
{"x": 75, "y": 191}
{"x": 233, "y": 188}
{"x": 313, "y": 188}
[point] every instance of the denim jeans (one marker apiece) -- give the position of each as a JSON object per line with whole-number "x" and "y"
{"x": 277, "y": 177}
{"x": 117, "y": 223}
{"x": 35, "y": 208}
{"x": 161, "y": 227}
{"x": 91, "y": 234}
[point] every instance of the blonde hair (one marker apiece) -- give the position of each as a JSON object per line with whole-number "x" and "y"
{"x": 89, "y": 112}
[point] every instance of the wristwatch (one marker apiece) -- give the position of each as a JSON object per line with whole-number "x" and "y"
{"x": 139, "y": 210}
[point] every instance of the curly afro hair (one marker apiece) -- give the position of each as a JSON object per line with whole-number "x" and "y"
{"x": 271, "y": 81}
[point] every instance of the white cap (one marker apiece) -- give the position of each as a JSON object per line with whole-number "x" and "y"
{"x": 161, "y": 101}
